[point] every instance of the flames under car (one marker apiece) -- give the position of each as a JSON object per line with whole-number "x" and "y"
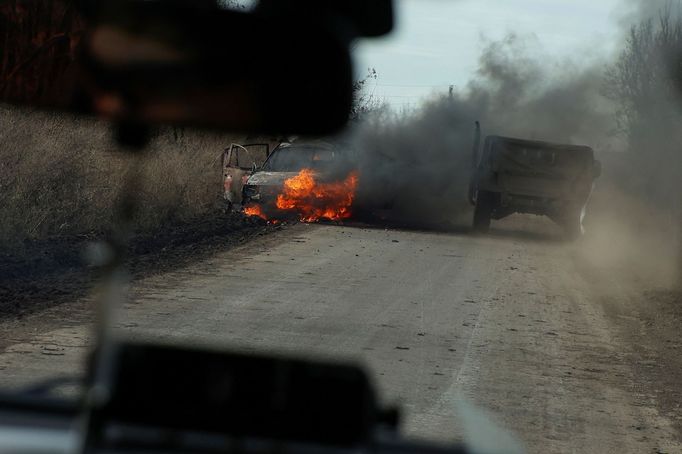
{"x": 309, "y": 182}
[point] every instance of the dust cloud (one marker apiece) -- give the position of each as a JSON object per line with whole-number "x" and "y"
{"x": 424, "y": 159}
{"x": 419, "y": 163}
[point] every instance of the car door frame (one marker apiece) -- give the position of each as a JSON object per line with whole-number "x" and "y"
{"x": 235, "y": 176}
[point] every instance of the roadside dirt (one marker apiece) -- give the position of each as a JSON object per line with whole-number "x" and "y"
{"x": 659, "y": 340}
{"x": 631, "y": 260}
{"x": 652, "y": 330}
{"x": 53, "y": 272}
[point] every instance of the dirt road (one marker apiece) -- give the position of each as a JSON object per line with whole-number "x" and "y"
{"x": 517, "y": 324}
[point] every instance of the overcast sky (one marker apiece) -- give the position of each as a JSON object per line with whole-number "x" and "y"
{"x": 437, "y": 42}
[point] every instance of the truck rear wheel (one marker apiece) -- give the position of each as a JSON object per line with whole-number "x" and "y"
{"x": 483, "y": 211}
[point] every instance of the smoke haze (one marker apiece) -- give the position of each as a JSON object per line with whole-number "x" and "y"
{"x": 426, "y": 157}
{"x": 421, "y": 161}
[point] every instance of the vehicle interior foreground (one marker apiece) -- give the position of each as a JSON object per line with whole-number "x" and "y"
{"x": 316, "y": 226}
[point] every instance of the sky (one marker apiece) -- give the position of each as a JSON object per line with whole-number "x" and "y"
{"x": 437, "y": 42}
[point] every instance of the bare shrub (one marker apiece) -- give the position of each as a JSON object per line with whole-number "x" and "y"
{"x": 61, "y": 175}
{"x": 645, "y": 85}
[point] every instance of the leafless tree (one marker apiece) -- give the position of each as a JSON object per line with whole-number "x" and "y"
{"x": 645, "y": 78}
{"x": 364, "y": 100}
{"x": 645, "y": 83}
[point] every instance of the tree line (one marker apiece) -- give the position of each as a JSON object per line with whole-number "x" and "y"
{"x": 646, "y": 85}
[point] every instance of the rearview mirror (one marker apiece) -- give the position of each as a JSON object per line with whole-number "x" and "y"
{"x": 283, "y": 68}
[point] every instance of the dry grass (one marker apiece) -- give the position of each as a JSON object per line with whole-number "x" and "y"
{"x": 61, "y": 176}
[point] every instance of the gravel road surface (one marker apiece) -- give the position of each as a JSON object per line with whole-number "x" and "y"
{"x": 516, "y": 324}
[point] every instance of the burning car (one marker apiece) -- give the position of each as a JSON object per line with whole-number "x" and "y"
{"x": 310, "y": 182}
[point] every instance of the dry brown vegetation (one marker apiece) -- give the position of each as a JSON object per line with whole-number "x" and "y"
{"x": 61, "y": 176}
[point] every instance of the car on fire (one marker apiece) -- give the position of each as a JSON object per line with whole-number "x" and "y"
{"x": 328, "y": 164}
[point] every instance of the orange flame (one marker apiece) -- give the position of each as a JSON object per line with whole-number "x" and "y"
{"x": 255, "y": 210}
{"x": 311, "y": 200}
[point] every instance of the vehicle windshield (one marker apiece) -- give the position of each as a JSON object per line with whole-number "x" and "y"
{"x": 296, "y": 158}
{"x": 530, "y": 298}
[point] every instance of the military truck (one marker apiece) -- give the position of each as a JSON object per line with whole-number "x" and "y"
{"x": 526, "y": 176}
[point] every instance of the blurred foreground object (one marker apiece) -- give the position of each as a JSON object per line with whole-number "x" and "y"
{"x": 284, "y": 66}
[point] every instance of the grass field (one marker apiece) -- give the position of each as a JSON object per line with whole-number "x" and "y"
{"x": 61, "y": 175}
